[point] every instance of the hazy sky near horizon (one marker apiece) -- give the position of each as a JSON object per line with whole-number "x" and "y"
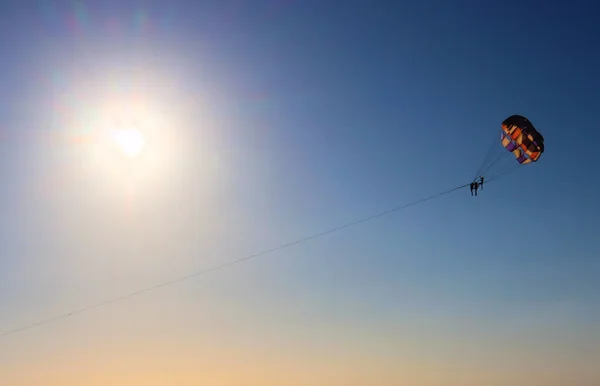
{"x": 270, "y": 120}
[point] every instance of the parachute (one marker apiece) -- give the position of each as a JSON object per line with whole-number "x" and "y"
{"x": 522, "y": 139}
{"x": 520, "y": 144}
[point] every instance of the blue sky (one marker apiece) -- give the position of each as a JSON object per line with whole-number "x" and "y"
{"x": 292, "y": 117}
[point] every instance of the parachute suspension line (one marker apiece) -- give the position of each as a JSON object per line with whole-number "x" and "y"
{"x": 502, "y": 165}
{"x": 488, "y": 157}
{"x": 500, "y": 175}
{"x": 479, "y": 171}
{"x": 501, "y": 156}
{"x": 228, "y": 264}
{"x": 498, "y": 162}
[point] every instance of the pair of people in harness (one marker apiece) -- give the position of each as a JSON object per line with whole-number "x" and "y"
{"x": 475, "y": 185}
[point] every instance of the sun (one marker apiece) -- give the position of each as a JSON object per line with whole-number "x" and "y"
{"x": 131, "y": 141}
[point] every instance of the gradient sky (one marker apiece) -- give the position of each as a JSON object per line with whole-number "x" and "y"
{"x": 269, "y": 121}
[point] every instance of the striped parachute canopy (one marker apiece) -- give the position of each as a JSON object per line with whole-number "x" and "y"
{"x": 522, "y": 139}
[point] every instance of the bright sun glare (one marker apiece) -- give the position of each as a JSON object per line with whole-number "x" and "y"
{"x": 130, "y": 141}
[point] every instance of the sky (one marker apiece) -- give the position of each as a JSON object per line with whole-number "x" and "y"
{"x": 272, "y": 120}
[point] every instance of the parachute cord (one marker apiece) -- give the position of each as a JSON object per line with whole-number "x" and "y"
{"x": 510, "y": 171}
{"x": 230, "y": 263}
{"x": 483, "y": 165}
{"x": 487, "y": 159}
{"x": 494, "y": 162}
